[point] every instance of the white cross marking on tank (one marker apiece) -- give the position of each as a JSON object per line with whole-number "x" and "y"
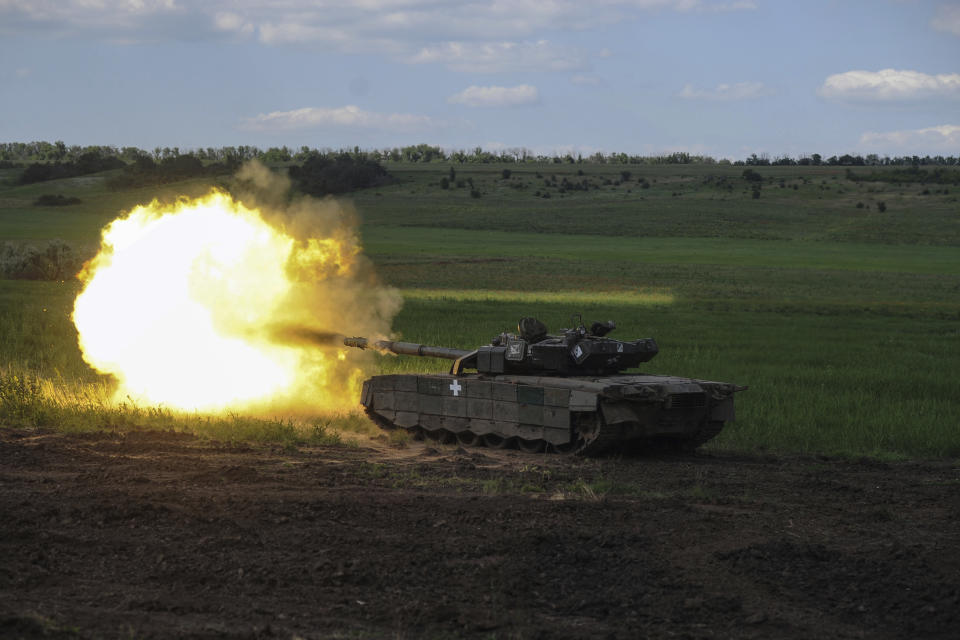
{"x": 455, "y": 387}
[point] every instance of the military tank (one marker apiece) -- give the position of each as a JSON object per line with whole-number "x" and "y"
{"x": 567, "y": 393}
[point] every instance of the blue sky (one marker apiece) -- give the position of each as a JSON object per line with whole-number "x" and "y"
{"x": 721, "y": 77}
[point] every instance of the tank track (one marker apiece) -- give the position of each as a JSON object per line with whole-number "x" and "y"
{"x": 596, "y": 437}
{"x": 707, "y": 432}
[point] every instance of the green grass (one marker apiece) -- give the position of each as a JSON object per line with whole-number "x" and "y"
{"x": 845, "y": 323}
{"x": 681, "y": 202}
{"x": 79, "y": 224}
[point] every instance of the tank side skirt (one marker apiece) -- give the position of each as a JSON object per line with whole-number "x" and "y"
{"x": 513, "y": 406}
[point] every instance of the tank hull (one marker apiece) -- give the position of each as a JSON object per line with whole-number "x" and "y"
{"x": 585, "y": 415}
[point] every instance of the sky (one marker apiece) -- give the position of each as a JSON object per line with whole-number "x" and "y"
{"x": 725, "y": 78}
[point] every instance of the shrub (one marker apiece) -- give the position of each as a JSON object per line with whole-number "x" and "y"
{"x": 320, "y": 176}
{"x": 624, "y": 176}
{"x": 444, "y": 183}
{"x": 474, "y": 193}
{"x": 859, "y": 205}
{"x": 506, "y": 174}
{"x": 59, "y": 200}
{"x": 881, "y": 206}
{"x": 56, "y": 261}
{"x": 751, "y": 176}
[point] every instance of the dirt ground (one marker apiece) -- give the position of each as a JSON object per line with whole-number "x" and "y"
{"x": 162, "y": 535}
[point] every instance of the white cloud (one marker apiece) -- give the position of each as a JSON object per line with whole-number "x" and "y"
{"x": 349, "y": 116}
{"x": 947, "y": 19}
{"x": 493, "y": 57}
{"x": 890, "y": 85}
{"x": 724, "y": 92}
{"x": 586, "y": 79}
{"x": 86, "y": 14}
{"x": 941, "y": 139}
{"x": 476, "y": 36}
{"x": 229, "y": 21}
{"x": 737, "y": 5}
{"x": 475, "y": 96}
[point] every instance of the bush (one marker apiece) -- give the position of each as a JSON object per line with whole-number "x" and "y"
{"x": 859, "y": 205}
{"x": 321, "y": 176}
{"x": 474, "y": 193}
{"x": 506, "y": 174}
{"x": 751, "y": 176}
{"x": 444, "y": 183}
{"x": 624, "y": 176}
{"x": 881, "y": 206}
{"x": 56, "y": 261}
{"x": 50, "y": 200}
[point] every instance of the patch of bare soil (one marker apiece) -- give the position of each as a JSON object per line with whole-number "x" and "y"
{"x": 161, "y": 535}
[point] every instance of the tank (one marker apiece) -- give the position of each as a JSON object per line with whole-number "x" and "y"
{"x": 568, "y": 393}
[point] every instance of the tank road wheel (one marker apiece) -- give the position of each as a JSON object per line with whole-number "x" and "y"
{"x": 708, "y": 431}
{"x": 494, "y": 441}
{"x": 380, "y": 421}
{"x": 468, "y": 438}
{"x": 567, "y": 447}
{"x": 594, "y": 436}
{"x": 530, "y": 446}
{"x": 443, "y": 436}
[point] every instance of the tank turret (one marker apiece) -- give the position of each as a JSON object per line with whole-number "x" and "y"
{"x": 532, "y": 350}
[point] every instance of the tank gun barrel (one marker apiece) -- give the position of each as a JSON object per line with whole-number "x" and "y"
{"x": 407, "y": 348}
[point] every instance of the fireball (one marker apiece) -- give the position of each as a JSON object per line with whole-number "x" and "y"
{"x": 183, "y": 302}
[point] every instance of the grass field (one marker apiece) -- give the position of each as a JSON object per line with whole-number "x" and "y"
{"x": 844, "y": 321}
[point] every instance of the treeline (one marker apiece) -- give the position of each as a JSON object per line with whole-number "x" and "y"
{"x": 145, "y": 171}
{"x": 29, "y": 154}
{"x": 21, "y": 154}
{"x": 912, "y": 175}
{"x": 848, "y": 160}
{"x": 86, "y": 163}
